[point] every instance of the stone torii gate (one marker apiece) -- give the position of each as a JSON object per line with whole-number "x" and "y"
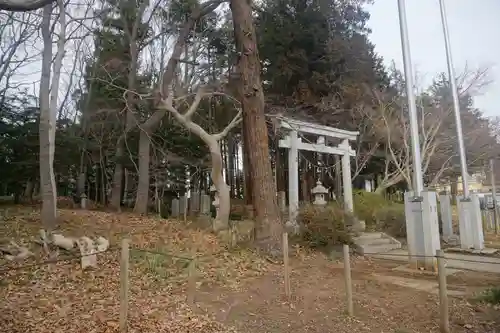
{"x": 294, "y": 144}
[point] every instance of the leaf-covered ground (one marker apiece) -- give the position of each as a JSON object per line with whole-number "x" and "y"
{"x": 236, "y": 291}
{"x": 318, "y": 301}
{"x": 60, "y": 297}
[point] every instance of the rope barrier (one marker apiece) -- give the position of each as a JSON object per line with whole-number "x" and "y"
{"x": 53, "y": 261}
{"x": 435, "y": 257}
{"x": 166, "y": 254}
{"x": 110, "y": 249}
{"x": 198, "y": 257}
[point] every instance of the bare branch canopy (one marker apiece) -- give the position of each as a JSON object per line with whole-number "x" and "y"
{"x": 23, "y": 5}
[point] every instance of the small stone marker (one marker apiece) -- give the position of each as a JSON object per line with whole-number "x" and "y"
{"x": 183, "y": 203}
{"x": 195, "y": 203}
{"x": 87, "y": 252}
{"x": 205, "y": 204}
{"x": 175, "y": 207}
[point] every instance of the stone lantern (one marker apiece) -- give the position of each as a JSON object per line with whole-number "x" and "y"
{"x": 319, "y": 192}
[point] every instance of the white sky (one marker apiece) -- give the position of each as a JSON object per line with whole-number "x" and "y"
{"x": 473, "y": 26}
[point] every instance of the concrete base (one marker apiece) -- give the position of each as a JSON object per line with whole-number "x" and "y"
{"x": 422, "y": 228}
{"x": 470, "y": 223}
{"x": 477, "y": 223}
{"x": 484, "y": 251}
{"x": 408, "y": 269}
{"x": 477, "y": 263}
{"x": 446, "y": 218}
{"x": 420, "y": 285}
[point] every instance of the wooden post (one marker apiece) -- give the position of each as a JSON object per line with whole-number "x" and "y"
{"x": 286, "y": 270}
{"x": 124, "y": 264}
{"x": 443, "y": 296}
{"x": 348, "y": 280}
{"x": 191, "y": 281}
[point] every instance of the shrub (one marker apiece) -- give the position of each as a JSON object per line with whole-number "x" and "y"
{"x": 491, "y": 296}
{"x": 366, "y": 204}
{"x": 324, "y": 225}
{"x": 391, "y": 219}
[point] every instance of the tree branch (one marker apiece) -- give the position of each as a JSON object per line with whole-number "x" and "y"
{"x": 23, "y": 5}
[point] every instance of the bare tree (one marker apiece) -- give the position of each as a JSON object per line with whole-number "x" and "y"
{"x": 148, "y": 126}
{"x": 23, "y": 5}
{"x": 213, "y": 143}
{"x": 17, "y": 30}
{"x": 395, "y": 129}
{"x": 49, "y": 90}
{"x": 438, "y": 141}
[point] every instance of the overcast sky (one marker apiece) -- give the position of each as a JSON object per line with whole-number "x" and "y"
{"x": 474, "y": 33}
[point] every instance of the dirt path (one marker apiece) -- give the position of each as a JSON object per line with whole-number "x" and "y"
{"x": 318, "y": 304}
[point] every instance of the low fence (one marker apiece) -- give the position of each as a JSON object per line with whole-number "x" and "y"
{"x": 54, "y": 288}
{"x": 110, "y": 287}
{"x": 124, "y": 265}
{"x": 440, "y": 273}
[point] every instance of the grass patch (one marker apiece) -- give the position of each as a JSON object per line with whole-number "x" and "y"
{"x": 158, "y": 266}
{"x": 491, "y": 295}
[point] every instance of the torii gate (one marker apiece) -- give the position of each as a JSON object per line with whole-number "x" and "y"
{"x": 294, "y": 144}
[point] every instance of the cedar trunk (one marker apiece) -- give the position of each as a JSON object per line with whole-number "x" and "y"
{"x": 142, "y": 198}
{"x": 269, "y": 228}
{"x": 247, "y": 166}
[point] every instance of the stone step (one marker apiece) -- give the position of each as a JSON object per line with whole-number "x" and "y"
{"x": 375, "y": 241}
{"x": 369, "y": 236}
{"x": 374, "y": 249}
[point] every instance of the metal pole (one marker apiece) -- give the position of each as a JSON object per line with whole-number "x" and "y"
{"x": 494, "y": 193}
{"x": 412, "y": 107}
{"x": 456, "y": 103}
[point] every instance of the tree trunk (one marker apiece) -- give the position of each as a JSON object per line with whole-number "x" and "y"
{"x": 80, "y": 183}
{"x": 47, "y": 131}
{"x": 269, "y": 227}
{"x": 454, "y": 190}
{"x": 126, "y": 186}
{"x": 231, "y": 144}
{"x": 247, "y": 166}
{"x": 116, "y": 191}
{"x": 222, "y": 218}
{"x": 141, "y": 200}
{"x": 28, "y": 190}
{"x": 380, "y": 190}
